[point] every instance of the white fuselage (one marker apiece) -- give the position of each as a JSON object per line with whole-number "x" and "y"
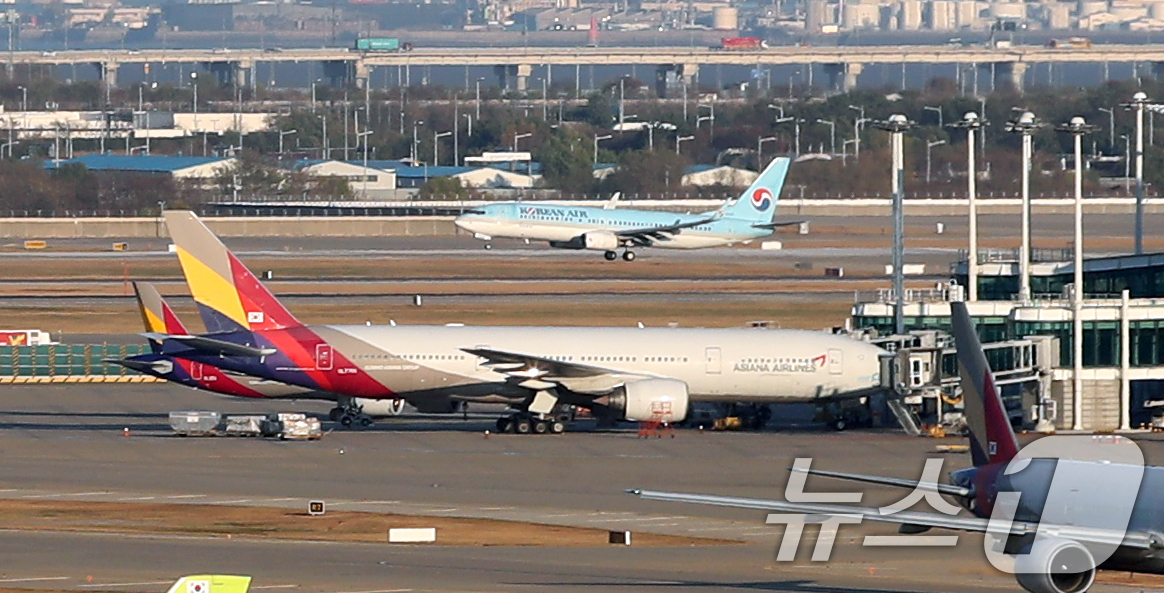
{"x": 735, "y": 364}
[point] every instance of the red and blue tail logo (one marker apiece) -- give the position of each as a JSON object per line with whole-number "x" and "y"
{"x": 762, "y": 199}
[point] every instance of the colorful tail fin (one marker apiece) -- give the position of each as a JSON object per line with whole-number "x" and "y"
{"x": 229, "y": 296}
{"x": 156, "y": 314}
{"x": 211, "y": 584}
{"x": 991, "y": 438}
{"x": 758, "y": 203}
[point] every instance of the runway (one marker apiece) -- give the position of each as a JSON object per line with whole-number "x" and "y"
{"x": 66, "y": 443}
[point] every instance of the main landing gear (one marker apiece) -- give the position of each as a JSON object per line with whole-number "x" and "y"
{"x": 523, "y": 423}
{"x": 627, "y": 255}
{"x": 349, "y": 414}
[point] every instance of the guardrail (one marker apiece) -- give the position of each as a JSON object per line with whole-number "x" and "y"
{"x": 69, "y": 363}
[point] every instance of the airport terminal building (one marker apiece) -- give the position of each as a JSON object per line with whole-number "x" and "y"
{"x": 1122, "y": 365}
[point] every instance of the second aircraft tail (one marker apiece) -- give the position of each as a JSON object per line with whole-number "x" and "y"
{"x": 992, "y": 439}
{"x": 758, "y": 203}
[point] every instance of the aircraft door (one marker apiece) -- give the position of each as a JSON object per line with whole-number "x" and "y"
{"x": 836, "y": 361}
{"x": 196, "y": 371}
{"x": 323, "y": 357}
{"x": 714, "y": 358}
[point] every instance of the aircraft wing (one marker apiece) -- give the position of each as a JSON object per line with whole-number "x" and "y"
{"x": 649, "y": 235}
{"x": 913, "y": 519}
{"x": 211, "y": 345}
{"x": 581, "y": 378}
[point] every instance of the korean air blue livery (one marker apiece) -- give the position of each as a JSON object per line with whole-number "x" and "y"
{"x": 741, "y": 220}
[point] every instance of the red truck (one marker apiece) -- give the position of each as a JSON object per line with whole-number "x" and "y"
{"x": 742, "y": 43}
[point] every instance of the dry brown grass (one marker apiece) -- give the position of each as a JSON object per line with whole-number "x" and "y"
{"x": 276, "y": 523}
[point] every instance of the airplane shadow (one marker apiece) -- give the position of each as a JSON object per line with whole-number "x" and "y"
{"x": 789, "y": 586}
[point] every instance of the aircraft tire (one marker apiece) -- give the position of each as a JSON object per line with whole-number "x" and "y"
{"x": 557, "y": 427}
{"x": 346, "y": 421}
{"x": 335, "y": 414}
{"x": 365, "y": 421}
{"x": 610, "y": 256}
{"x": 540, "y": 427}
{"x": 628, "y": 255}
{"x": 504, "y": 424}
{"x": 522, "y": 426}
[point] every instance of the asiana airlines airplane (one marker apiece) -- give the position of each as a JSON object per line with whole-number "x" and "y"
{"x": 620, "y": 373}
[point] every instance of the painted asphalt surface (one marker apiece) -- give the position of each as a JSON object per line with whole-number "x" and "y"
{"x": 66, "y": 443}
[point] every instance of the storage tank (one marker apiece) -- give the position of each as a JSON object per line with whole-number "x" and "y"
{"x": 725, "y": 18}
{"x": 941, "y": 15}
{"x": 1009, "y": 10}
{"x": 911, "y": 15}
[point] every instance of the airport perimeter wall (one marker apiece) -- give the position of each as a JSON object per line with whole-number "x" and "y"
{"x": 69, "y": 363}
{"x": 429, "y": 226}
{"x": 275, "y": 226}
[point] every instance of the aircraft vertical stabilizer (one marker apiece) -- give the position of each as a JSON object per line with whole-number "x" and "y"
{"x": 211, "y": 584}
{"x": 758, "y": 203}
{"x": 991, "y": 438}
{"x": 229, "y": 296}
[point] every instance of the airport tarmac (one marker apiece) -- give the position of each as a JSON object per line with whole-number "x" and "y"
{"x": 66, "y": 442}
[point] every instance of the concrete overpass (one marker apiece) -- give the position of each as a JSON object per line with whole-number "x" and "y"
{"x": 514, "y": 64}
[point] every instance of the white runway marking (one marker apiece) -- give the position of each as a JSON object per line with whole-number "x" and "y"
{"x": 137, "y": 498}
{"x": 276, "y": 587}
{"x": 127, "y": 584}
{"x": 31, "y": 579}
{"x": 378, "y": 591}
{"x": 241, "y": 500}
{"x": 59, "y": 494}
{"x": 190, "y": 496}
{"x": 279, "y": 500}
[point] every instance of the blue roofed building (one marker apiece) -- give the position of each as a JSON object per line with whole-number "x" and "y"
{"x": 194, "y": 169}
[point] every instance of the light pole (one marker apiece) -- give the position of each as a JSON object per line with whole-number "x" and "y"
{"x": 598, "y": 139}
{"x": 710, "y": 117}
{"x": 832, "y": 124}
{"x": 896, "y": 125}
{"x": 313, "y": 95}
{"x": 364, "y": 135}
{"x": 971, "y": 122}
{"x": 415, "y": 141}
{"x": 517, "y": 137}
{"x": 1026, "y": 124}
{"x": 795, "y": 121}
{"x": 929, "y": 145}
{"x": 477, "y": 101}
{"x": 23, "y": 99}
{"x": 194, "y": 85}
{"x": 857, "y": 125}
{"x": 937, "y": 110}
{"x": 469, "y": 116}
{"x": 281, "y": 135}
{"x": 760, "y": 151}
{"x": 436, "y": 144}
{"x": 1111, "y": 126}
{"x": 679, "y": 140}
{"x": 1139, "y": 103}
{"x": 1077, "y": 127}
{"x": 1127, "y": 162}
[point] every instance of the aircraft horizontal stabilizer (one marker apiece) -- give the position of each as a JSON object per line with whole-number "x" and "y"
{"x": 948, "y": 489}
{"x": 774, "y": 225}
{"x": 142, "y": 366}
{"x": 212, "y": 345}
{"x": 916, "y": 520}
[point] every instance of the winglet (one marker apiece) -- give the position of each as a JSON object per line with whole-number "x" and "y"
{"x": 211, "y": 584}
{"x": 229, "y": 296}
{"x": 991, "y": 438}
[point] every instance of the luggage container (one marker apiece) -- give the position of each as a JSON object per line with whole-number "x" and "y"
{"x": 193, "y": 423}
{"x": 243, "y": 426}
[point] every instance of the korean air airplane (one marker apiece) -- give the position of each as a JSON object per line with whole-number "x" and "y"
{"x": 744, "y": 219}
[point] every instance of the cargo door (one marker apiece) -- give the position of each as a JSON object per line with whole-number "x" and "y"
{"x": 714, "y": 359}
{"x": 196, "y": 371}
{"x": 323, "y": 357}
{"x": 836, "y": 361}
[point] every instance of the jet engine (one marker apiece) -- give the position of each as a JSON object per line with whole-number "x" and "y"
{"x": 380, "y": 408}
{"x": 601, "y": 240}
{"x": 651, "y": 399}
{"x": 1055, "y": 565}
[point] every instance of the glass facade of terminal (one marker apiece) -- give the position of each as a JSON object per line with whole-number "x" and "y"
{"x": 1141, "y": 283}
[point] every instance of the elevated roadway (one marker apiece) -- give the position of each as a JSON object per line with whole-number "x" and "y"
{"x": 514, "y": 64}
